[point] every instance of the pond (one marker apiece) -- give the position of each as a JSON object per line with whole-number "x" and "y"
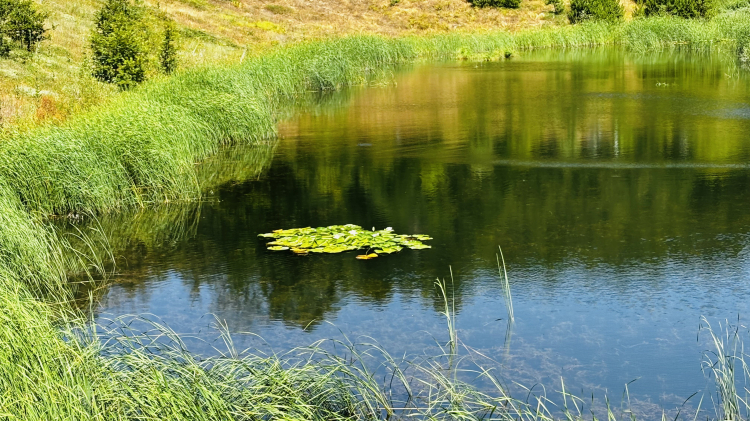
{"x": 616, "y": 184}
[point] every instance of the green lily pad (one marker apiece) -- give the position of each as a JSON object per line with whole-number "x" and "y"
{"x": 341, "y": 238}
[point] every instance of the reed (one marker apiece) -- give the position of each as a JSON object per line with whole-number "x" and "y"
{"x": 724, "y": 363}
{"x": 506, "y": 285}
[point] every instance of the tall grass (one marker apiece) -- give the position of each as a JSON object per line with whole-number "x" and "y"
{"x": 724, "y": 363}
{"x": 505, "y": 285}
{"x": 142, "y": 149}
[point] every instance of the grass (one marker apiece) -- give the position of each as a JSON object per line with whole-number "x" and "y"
{"x": 141, "y": 149}
{"x": 506, "y": 286}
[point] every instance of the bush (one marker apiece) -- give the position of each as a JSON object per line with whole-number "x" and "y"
{"x": 683, "y": 8}
{"x": 21, "y": 23}
{"x": 511, "y": 4}
{"x": 559, "y": 6}
{"x": 607, "y": 10}
{"x": 119, "y": 44}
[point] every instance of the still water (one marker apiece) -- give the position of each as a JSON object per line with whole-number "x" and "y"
{"x": 617, "y": 185}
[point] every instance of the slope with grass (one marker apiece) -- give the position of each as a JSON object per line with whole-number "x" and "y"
{"x": 55, "y": 82}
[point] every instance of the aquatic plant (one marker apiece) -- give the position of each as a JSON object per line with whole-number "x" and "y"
{"x": 505, "y": 285}
{"x": 340, "y": 238}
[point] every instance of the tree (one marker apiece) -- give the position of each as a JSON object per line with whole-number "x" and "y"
{"x": 5, "y": 8}
{"x": 558, "y": 4}
{"x": 168, "y": 51}
{"x": 682, "y": 8}
{"x": 118, "y": 44}
{"x": 607, "y": 10}
{"x": 26, "y": 25}
{"x": 20, "y": 22}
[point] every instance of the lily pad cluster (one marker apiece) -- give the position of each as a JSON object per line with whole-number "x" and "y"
{"x": 340, "y": 238}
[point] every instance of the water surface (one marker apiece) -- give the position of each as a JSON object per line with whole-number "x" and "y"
{"x": 617, "y": 185}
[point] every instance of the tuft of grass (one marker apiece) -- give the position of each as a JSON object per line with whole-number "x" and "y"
{"x": 277, "y": 9}
{"x": 724, "y": 363}
{"x": 449, "y": 311}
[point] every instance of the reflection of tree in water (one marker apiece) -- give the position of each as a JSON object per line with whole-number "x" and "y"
{"x": 581, "y": 160}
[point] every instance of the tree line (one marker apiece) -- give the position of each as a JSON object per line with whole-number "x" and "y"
{"x": 612, "y": 10}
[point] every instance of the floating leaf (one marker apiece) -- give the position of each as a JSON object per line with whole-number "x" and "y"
{"x": 340, "y": 238}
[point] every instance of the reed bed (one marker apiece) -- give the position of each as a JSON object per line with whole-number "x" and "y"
{"x": 142, "y": 149}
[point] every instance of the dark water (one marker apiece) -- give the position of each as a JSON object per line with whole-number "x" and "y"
{"x": 617, "y": 185}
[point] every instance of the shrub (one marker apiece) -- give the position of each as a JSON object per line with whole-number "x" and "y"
{"x": 682, "y": 8}
{"x": 20, "y": 22}
{"x": 118, "y": 44}
{"x": 607, "y": 10}
{"x": 511, "y": 4}
{"x": 559, "y": 6}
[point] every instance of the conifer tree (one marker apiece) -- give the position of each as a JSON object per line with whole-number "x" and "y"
{"x": 168, "y": 51}
{"x": 118, "y": 44}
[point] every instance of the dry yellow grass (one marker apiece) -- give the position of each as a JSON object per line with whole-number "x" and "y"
{"x": 54, "y": 83}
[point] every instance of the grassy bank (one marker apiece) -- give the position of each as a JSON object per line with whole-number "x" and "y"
{"x": 55, "y": 82}
{"x": 141, "y": 150}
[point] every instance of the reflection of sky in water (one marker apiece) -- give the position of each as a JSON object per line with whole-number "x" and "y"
{"x": 621, "y": 207}
{"x": 641, "y": 324}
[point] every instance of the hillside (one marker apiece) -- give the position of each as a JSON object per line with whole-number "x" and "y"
{"x": 54, "y": 83}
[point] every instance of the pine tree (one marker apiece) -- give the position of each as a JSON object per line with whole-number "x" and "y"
{"x": 168, "y": 52}
{"x": 20, "y": 23}
{"x": 118, "y": 44}
{"x": 607, "y": 10}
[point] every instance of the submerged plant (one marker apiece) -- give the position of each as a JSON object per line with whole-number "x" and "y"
{"x": 340, "y": 238}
